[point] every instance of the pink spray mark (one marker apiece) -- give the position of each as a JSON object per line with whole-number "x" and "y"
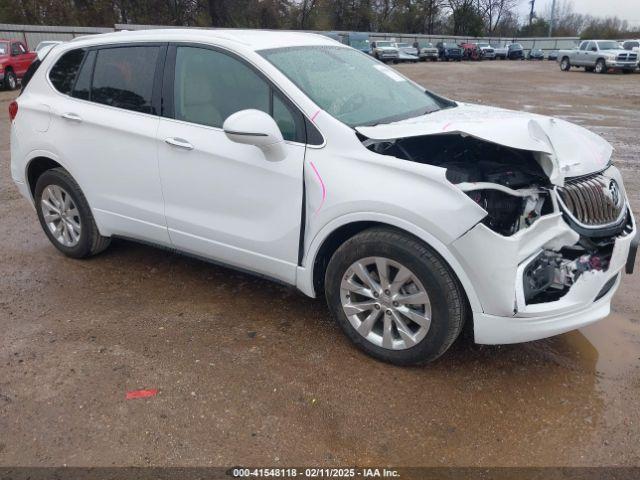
{"x": 446, "y": 126}
{"x": 324, "y": 190}
{"x": 314, "y": 116}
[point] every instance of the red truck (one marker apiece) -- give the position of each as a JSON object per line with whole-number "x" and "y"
{"x": 15, "y": 58}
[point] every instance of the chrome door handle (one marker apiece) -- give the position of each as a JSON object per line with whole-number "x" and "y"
{"x": 74, "y": 117}
{"x": 178, "y": 142}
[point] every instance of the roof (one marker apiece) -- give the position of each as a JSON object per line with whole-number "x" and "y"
{"x": 252, "y": 39}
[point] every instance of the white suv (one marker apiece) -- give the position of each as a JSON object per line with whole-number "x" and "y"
{"x": 292, "y": 156}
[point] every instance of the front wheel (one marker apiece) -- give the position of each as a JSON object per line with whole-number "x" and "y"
{"x": 601, "y": 67}
{"x": 565, "y": 65}
{"x": 10, "y": 80}
{"x": 394, "y": 297}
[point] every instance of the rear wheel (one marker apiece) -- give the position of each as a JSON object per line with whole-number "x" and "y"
{"x": 565, "y": 64}
{"x": 394, "y": 297}
{"x": 601, "y": 66}
{"x": 10, "y": 80}
{"x": 627, "y": 70}
{"x": 65, "y": 215}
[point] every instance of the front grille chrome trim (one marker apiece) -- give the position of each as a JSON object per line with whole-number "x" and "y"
{"x": 584, "y": 201}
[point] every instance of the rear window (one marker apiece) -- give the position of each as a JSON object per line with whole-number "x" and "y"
{"x": 123, "y": 77}
{"x": 63, "y": 73}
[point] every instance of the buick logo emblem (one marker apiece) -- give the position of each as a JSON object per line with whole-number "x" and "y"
{"x": 614, "y": 193}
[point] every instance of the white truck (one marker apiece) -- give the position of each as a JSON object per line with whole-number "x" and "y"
{"x": 598, "y": 56}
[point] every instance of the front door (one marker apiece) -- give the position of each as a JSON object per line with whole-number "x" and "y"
{"x": 223, "y": 200}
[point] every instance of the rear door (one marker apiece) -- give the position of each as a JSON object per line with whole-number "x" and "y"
{"x": 105, "y": 124}
{"x": 223, "y": 200}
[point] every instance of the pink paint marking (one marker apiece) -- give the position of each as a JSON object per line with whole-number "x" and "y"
{"x": 314, "y": 116}
{"x": 141, "y": 394}
{"x": 324, "y": 190}
{"x": 446, "y": 126}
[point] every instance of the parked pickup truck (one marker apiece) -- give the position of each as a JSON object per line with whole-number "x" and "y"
{"x": 598, "y": 56}
{"x": 384, "y": 51}
{"x": 15, "y": 58}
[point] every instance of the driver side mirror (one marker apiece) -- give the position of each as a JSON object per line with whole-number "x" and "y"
{"x": 594, "y": 49}
{"x": 257, "y": 128}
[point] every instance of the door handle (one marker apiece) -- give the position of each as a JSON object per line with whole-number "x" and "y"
{"x": 74, "y": 117}
{"x": 178, "y": 142}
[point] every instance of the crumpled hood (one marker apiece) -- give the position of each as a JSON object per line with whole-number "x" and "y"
{"x": 564, "y": 149}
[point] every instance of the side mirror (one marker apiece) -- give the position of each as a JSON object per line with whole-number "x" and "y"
{"x": 257, "y": 128}
{"x": 594, "y": 49}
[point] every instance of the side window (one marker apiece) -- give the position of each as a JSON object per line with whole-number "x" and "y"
{"x": 82, "y": 87}
{"x": 209, "y": 86}
{"x": 583, "y": 45}
{"x": 289, "y": 120}
{"x": 591, "y": 46}
{"x": 123, "y": 77}
{"x": 63, "y": 73}
{"x": 17, "y": 48}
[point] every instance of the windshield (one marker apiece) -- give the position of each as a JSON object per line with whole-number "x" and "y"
{"x": 515, "y": 46}
{"x": 383, "y": 44}
{"x": 4, "y": 48}
{"x": 350, "y": 85}
{"x": 483, "y": 45}
{"x": 608, "y": 46}
{"x": 426, "y": 45}
{"x": 402, "y": 45}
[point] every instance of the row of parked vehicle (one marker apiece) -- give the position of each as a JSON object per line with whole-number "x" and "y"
{"x": 387, "y": 50}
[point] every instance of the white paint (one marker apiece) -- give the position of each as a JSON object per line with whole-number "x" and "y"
{"x": 231, "y": 199}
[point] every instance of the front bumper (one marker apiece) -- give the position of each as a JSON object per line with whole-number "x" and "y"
{"x": 619, "y": 64}
{"x": 495, "y": 265}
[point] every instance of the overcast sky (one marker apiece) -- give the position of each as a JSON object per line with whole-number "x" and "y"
{"x": 625, "y": 9}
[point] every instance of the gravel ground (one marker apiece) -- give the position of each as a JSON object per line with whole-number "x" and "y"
{"x": 250, "y": 372}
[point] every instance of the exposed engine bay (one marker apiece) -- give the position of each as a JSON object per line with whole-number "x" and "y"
{"x": 508, "y": 183}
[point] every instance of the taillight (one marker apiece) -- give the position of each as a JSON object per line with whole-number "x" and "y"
{"x": 13, "y": 110}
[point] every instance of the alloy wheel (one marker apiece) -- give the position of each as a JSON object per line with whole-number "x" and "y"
{"x": 61, "y": 215}
{"x": 386, "y": 303}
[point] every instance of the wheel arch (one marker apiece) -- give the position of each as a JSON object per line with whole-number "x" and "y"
{"x": 310, "y": 278}
{"x": 36, "y": 166}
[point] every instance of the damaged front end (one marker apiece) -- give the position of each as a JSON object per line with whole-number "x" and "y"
{"x": 549, "y": 243}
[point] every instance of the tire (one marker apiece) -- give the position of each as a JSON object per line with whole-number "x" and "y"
{"x": 601, "y": 66}
{"x": 447, "y": 306}
{"x": 74, "y": 244}
{"x": 10, "y": 80}
{"x": 565, "y": 64}
{"x": 627, "y": 70}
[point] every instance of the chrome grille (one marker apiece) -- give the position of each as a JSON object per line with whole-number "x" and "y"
{"x": 594, "y": 201}
{"x": 624, "y": 57}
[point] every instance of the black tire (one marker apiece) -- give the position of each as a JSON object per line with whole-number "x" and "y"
{"x": 10, "y": 80}
{"x": 601, "y": 66}
{"x": 565, "y": 64}
{"x": 448, "y": 302}
{"x": 90, "y": 241}
{"x": 627, "y": 70}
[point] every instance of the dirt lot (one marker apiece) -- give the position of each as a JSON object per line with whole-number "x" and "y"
{"x": 250, "y": 372}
